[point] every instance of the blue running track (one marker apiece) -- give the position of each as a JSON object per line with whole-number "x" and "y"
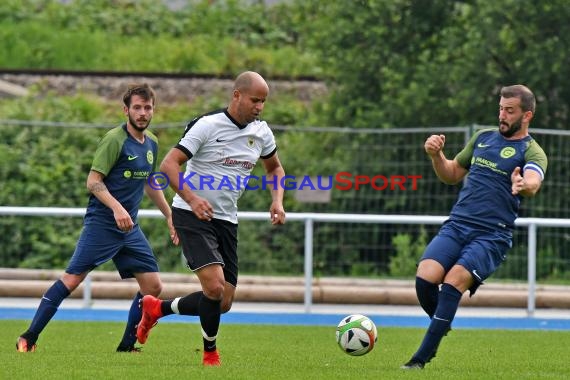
{"x": 506, "y": 323}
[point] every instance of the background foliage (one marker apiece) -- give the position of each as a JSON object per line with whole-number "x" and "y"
{"x": 441, "y": 62}
{"x": 387, "y": 64}
{"x": 218, "y": 37}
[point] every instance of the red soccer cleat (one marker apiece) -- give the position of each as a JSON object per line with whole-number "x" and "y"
{"x": 150, "y": 314}
{"x": 23, "y": 346}
{"x": 211, "y": 358}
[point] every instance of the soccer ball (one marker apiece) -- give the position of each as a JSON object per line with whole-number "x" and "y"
{"x": 356, "y": 335}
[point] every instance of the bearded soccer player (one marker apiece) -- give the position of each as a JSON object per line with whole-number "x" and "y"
{"x": 124, "y": 159}
{"x": 501, "y": 166}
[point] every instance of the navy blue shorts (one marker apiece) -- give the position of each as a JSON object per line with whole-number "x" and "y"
{"x": 205, "y": 243}
{"x": 130, "y": 251}
{"x": 477, "y": 249}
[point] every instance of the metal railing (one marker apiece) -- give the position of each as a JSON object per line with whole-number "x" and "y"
{"x": 309, "y": 219}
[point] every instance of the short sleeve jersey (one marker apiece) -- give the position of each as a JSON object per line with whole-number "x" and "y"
{"x": 126, "y": 164}
{"x": 486, "y": 198}
{"x": 222, "y": 155}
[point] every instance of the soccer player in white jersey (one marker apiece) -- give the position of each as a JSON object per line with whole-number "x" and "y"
{"x": 219, "y": 149}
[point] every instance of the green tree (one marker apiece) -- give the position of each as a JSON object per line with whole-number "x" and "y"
{"x": 401, "y": 63}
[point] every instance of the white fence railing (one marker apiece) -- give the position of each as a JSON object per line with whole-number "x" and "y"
{"x": 531, "y": 224}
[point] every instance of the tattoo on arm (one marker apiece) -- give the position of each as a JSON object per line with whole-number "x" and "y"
{"x": 97, "y": 187}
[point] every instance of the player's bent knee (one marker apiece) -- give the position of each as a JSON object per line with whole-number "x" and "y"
{"x": 72, "y": 281}
{"x": 431, "y": 271}
{"x": 214, "y": 293}
{"x": 156, "y": 291}
{"x": 214, "y": 290}
{"x": 152, "y": 289}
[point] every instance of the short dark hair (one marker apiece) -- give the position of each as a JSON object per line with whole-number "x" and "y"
{"x": 143, "y": 90}
{"x": 528, "y": 101}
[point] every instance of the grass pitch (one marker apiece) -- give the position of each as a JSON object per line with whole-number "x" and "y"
{"x": 85, "y": 350}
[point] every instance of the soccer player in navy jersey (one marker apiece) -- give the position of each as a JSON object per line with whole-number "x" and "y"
{"x": 124, "y": 159}
{"x": 501, "y": 166}
{"x": 221, "y": 147}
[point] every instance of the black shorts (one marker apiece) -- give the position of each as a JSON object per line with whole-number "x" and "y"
{"x": 206, "y": 243}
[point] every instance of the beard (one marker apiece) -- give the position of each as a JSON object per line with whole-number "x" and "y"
{"x": 135, "y": 125}
{"x": 512, "y": 129}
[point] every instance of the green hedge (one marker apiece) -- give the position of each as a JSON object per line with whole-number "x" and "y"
{"x": 224, "y": 38}
{"x": 48, "y": 166}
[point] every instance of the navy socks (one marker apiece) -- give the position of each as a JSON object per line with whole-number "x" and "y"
{"x": 135, "y": 315}
{"x": 46, "y": 310}
{"x": 427, "y": 294}
{"x": 447, "y": 305}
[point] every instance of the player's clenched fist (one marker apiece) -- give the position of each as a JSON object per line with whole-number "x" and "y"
{"x": 434, "y": 144}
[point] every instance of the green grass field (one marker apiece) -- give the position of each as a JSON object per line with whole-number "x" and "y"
{"x": 85, "y": 350}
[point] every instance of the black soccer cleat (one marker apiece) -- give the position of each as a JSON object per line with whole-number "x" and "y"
{"x": 414, "y": 364}
{"x": 128, "y": 349}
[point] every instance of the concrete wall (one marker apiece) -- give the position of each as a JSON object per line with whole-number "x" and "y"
{"x": 108, "y": 285}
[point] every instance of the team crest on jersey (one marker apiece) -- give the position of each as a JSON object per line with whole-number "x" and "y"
{"x": 149, "y": 157}
{"x": 250, "y": 142}
{"x": 508, "y": 152}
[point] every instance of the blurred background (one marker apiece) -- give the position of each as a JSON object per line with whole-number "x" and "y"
{"x": 356, "y": 86}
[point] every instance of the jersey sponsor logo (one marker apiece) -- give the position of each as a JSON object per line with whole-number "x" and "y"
{"x": 481, "y": 145}
{"x": 244, "y": 164}
{"x": 484, "y": 162}
{"x": 137, "y": 174}
{"x": 480, "y": 161}
{"x": 508, "y": 152}
{"x": 141, "y": 174}
{"x": 130, "y": 158}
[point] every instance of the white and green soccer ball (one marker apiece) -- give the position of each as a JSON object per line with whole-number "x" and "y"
{"x": 356, "y": 335}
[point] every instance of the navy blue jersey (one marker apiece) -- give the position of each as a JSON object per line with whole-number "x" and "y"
{"x": 126, "y": 164}
{"x": 486, "y": 198}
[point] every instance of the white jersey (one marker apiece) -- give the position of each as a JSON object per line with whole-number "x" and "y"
{"x": 222, "y": 155}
